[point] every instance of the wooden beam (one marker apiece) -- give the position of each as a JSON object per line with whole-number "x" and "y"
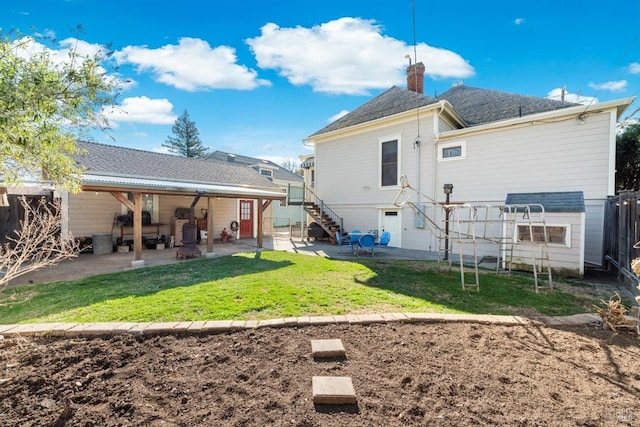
{"x": 122, "y": 199}
{"x": 260, "y": 238}
{"x": 137, "y": 226}
{"x": 210, "y": 233}
{"x": 266, "y": 204}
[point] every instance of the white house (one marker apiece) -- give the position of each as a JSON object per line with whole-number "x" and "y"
{"x": 486, "y": 143}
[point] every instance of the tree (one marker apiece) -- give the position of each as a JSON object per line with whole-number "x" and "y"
{"x": 186, "y": 140}
{"x": 46, "y": 105}
{"x": 291, "y": 165}
{"x": 628, "y": 158}
{"x": 38, "y": 243}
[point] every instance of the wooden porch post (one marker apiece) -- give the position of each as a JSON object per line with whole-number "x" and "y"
{"x": 260, "y": 210}
{"x": 210, "y": 225}
{"x": 137, "y": 226}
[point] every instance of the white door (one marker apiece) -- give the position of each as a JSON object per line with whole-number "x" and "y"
{"x": 390, "y": 221}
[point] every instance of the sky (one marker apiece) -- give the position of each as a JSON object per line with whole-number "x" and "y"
{"x": 259, "y": 76}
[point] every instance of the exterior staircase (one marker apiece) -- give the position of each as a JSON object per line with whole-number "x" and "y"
{"x": 314, "y": 207}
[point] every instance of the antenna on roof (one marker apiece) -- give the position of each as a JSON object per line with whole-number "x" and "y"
{"x": 409, "y": 58}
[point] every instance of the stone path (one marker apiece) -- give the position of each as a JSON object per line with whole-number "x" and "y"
{"x": 218, "y": 326}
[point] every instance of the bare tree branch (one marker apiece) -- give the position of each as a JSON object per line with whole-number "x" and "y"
{"x": 39, "y": 242}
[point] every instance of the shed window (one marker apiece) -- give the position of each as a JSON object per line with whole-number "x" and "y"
{"x": 556, "y": 234}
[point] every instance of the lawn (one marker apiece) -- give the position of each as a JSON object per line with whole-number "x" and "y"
{"x": 274, "y": 284}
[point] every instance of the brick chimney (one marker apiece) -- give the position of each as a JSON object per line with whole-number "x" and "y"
{"x": 415, "y": 77}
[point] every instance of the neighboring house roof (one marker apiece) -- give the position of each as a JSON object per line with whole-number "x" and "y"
{"x": 475, "y": 106}
{"x": 561, "y": 201}
{"x": 131, "y": 166}
{"x": 393, "y": 101}
{"x": 279, "y": 173}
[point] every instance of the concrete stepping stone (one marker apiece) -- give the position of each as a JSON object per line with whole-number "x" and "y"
{"x": 327, "y": 348}
{"x": 333, "y": 391}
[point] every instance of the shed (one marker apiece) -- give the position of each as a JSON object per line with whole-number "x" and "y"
{"x": 560, "y": 216}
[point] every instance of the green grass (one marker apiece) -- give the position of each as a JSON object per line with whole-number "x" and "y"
{"x": 274, "y": 284}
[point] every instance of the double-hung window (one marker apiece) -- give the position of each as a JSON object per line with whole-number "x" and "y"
{"x": 389, "y": 162}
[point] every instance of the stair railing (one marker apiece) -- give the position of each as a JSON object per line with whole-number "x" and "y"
{"x": 305, "y": 196}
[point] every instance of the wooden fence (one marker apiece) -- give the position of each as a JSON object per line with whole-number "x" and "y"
{"x": 622, "y": 234}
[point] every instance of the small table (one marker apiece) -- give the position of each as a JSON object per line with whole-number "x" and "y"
{"x": 356, "y": 245}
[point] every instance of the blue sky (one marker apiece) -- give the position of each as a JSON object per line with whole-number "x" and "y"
{"x": 259, "y": 76}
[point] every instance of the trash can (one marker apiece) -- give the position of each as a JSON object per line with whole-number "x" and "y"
{"x": 102, "y": 243}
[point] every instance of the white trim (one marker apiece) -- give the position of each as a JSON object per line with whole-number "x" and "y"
{"x": 150, "y": 184}
{"x": 443, "y": 146}
{"x": 382, "y": 140}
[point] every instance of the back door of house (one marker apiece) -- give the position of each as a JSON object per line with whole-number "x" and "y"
{"x": 390, "y": 221}
{"x": 246, "y": 218}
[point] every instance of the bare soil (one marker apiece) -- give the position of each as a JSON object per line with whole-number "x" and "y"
{"x": 404, "y": 374}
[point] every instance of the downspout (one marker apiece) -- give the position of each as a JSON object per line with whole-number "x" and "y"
{"x": 436, "y": 137}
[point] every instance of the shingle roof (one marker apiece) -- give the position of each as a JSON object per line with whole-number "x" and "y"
{"x": 393, "y": 101}
{"x": 477, "y": 106}
{"x": 562, "y": 201}
{"x": 112, "y": 160}
{"x": 279, "y": 172}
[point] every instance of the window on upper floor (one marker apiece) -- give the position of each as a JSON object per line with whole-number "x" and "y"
{"x": 267, "y": 173}
{"x": 452, "y": 151}
{"x": 389, "y": 163}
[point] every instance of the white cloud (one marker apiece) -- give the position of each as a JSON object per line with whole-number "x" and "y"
{"x": 556, "y": 95}
{"x": 347, "y": 56}
{"x": 192, "y": 65}
{"x": 337, "y": 116}
{"x": 163, "y": 150}
{"x": 519, "y": 21}
{"x": 634, "y": 68}
{"x": 142, "y": 110}
{"x": 613, "y": 86}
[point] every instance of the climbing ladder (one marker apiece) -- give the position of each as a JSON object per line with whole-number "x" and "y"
{"x": 464, "y": 226}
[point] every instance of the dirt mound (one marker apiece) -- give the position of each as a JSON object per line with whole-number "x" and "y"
{"x": 403, "y": 374}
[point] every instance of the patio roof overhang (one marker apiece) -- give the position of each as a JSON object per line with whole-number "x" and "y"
{"x": 114, "y": 183}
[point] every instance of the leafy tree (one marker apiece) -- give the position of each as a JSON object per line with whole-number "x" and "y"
{"x": 46, "y": 104}
{"x": 628, "y": 158}
{"x": 186, "y": 140}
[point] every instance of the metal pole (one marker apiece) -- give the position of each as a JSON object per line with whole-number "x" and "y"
{"x": 446, "y": 229}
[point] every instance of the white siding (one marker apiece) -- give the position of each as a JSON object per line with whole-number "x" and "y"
{"x": 90, "y": 213}
{"x": 550, "y": 156}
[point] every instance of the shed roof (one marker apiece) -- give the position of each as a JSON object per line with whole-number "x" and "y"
{"x": 561, "y": 201}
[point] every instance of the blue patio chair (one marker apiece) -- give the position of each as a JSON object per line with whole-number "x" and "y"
{"x": 385, "y": 238}
{"x": 355, "y": 236}
{"x": 344, "y": 241}
{"x": 366, "y": 244}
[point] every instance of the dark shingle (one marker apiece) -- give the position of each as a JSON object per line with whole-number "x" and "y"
{"x": 111, "y": 160}
{"x": 562, "y": 201}
{"x": 477, "y": 106}
{"x": 393, "y": 101}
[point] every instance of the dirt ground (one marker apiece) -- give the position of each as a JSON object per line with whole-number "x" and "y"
{"x": 403, "y": 374}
